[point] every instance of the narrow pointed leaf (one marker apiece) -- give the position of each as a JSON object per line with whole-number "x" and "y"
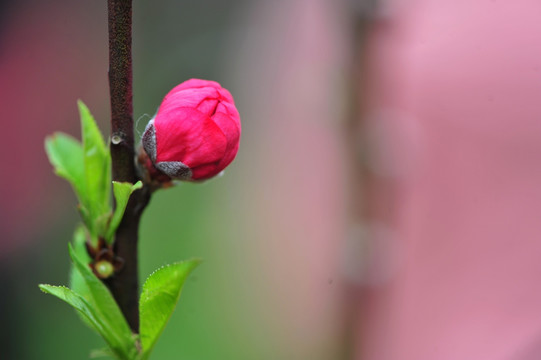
{"x": 77, "y": 282}
{"x": 160, "y": 295}
{"x": 97, "y": 165}
{"x": 107, "y": 310}
{"x": 102, "y": 223}
{"x": 87, "y": 311}
{"x": 75, "y": 300}
{"x": 122, "y": 192}
{"x": 66, "y": 155}
{"x": 89, "y": 222}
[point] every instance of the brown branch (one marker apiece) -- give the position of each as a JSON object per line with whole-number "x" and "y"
{"x": 120, "y": 85}
{"x": 124, "y": 284}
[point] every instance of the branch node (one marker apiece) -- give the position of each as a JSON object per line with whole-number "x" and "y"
{"x": 117, "y": 138}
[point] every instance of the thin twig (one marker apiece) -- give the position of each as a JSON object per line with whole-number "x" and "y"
{"x": 124, "y": 284}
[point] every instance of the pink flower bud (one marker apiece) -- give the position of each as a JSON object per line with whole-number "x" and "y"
{"x": 195, "y": 133}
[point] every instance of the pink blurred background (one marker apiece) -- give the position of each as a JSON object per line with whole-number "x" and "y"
{"x": 384, "y": 203}
{"x": 455, "y": 91}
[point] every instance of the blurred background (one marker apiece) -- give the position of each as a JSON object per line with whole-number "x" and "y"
{"x": 384, "y": 205}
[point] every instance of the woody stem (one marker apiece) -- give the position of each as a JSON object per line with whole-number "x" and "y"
{"x": 124, "y": 284}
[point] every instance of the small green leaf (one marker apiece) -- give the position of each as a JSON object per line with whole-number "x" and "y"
{"x": 77, "y": 282}
{"x": 66, "y": 155}
{"x": 79, "y": 241}
{"x": 102, "y": 222}
{"x": 122, "y": 192}
{"x": 89, "y": 222}
{"x": 97, "y": 166}
{"x": 87, "y": 167}
{"x": 161, "y": 292}
{"x": 88, "y": 312}
{"x": 119, "y": 336}
{"x": 75, "y": 300}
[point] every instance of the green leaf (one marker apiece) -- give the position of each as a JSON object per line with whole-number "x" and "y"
{"x": 66, "y": 155}
{"x": 75, "y": 300}
{"x": 97, "y": 167}
{"x": 87, "y": 311}
{"x": 161, "y": 292}
{"x": 79, "y": 241}
{"x": 118, "y": 336}
{"x": 102, "y": 222}
{"x": 87, "y": 167}
{"x": 122, "y": 192}
{"x": 77, "y": 282}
